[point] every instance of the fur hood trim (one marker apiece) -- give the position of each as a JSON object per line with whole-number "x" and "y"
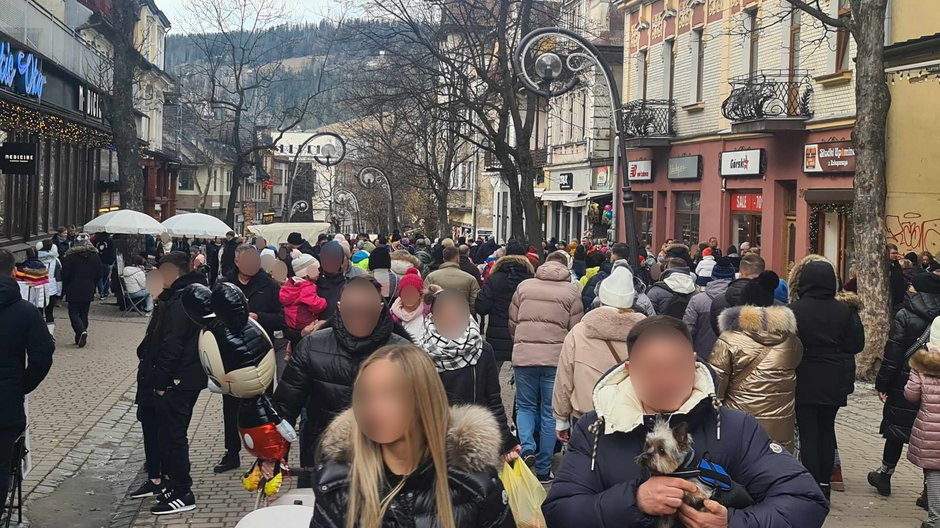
{"x": 793, "y": 281}
{"x": 927, "y": 361}
{"x": 517, "y": 259}
{"x": 676, "y": 246}
{"x": 609, "y": 324}
{"x": 75, "y": 250}
{"x": 851, "y": 299}
{"x": 473, "y": 439}
{"x": 773, "y": 320}
{"x": 402, "y": 262}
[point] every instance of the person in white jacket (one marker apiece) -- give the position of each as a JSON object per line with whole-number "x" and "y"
{"x": 705, "y": 267}
{"x": 135, "y": 282}
{"x": 49, "y": 255}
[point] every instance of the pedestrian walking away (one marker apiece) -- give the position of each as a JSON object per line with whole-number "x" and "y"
{"x": 496, "y": 296}
{"x": 698, "y": 313}
{"x": 81, "y": 268}
{"x": 411, "y": 308}
{"x": 108, "y": 255}
{"x": 449, "y": 276}
{"x": 674, "y": 290}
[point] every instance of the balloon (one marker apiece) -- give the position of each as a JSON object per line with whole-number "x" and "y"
{"x": 257, "y": 425}
{"x": 609, "y": 215}
{"x": 608, "y": 207}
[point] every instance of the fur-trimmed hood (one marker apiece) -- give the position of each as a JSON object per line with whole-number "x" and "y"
{"x": 85, "y": 250}
{"x": 473, "y": 439}
{"x": 851, "y": 299}
{"x": 796, "y": 274}
{"x": 507, "y": 260}
{"x": 609, "y": 324}
{"x": 768, "y": 326}
{"x": 927, "y": 361}
{"x": 402, "y": 260}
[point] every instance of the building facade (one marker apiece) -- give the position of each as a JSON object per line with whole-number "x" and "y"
{"x": 739, "y": 116}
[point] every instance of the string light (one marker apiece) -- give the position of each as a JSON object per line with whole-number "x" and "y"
{"x": 815, "y": 209}
{"x": 16, "y": 118}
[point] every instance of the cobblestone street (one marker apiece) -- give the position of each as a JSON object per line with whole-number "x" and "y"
{"x": 87, "y": 449}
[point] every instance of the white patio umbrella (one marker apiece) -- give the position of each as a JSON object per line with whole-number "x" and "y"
{"x": 125, "y": 222}
{"x": 196, "y": 225}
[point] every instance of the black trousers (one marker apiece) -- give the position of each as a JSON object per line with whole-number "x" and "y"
{"x": 233, "y": 441}
{"x": 8, "y": 436}
{"x": 150, "y": 424}
{"x": 78, "y": 315}
{"x": 892, "y": 452}
{"x": 817, "y": 425}
{"x": 49, "y": 311}
{"x": 174, "y": 412}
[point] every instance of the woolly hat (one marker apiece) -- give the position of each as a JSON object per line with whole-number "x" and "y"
{"x": 513, "y": 247}
{"x": 303, "y": 264}
{"x": 295, "y": 239}
{"x": 380, "y": 259}
{"x": 934, "y": 341}
{"x": 617, "y": 290}
{"x": 412, "y": 278}
{"x": 760, "y": 291}
{"x": 268, "y": 251}
{"x": 926, "y": 282}
{"x": 332, "y": 249}
{"x": 707, "y": 252}
{"x": 723, "y": 270}
{"x": 345, "y": 245}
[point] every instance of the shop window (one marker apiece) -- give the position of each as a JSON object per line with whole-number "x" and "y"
{"x": 746, "y": 228}
{"x": 644, "y": 215}
{"x": 687, "y": 217}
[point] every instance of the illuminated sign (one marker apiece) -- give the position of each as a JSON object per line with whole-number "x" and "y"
{"x": 21, "y": 71}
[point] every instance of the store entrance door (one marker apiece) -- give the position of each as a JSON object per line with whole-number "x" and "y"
{"x": 746, "y": 210}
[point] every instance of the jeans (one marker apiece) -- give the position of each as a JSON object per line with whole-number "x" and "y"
{"x": 174, "y": 412}
{"x": 150, "y": 424}
{"x": 104, "y": 280}
{"x": 8, "y": 436}
{"x": 144, "y": 295}
{"x": 78, "y": 315}
{"x": 817, "y": 439}
{"x": 534, "y": 387}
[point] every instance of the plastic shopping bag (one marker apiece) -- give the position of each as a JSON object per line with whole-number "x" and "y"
{"x": 525, "y": 493}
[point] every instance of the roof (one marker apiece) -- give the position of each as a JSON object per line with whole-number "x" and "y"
{"x": 922, "y": 48}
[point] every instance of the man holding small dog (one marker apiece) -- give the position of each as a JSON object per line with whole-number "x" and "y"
{"x": 753, "y": 481}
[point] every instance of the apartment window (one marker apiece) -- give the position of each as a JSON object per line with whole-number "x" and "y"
{"x": 698, "y": 65}
{"x": 185, "y": 182}
{"x": 290, "y": 149}
{"x": 215, "y": 179}
{"x": 753, "y": 41}
{"x": 843, "y": 61}
{"x": 642, "y": 72}
{"x": 669, "y": 66}
{"x": 795, "y": 23}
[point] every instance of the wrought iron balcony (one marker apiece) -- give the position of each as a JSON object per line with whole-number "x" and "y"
{"x": 769, "y": 100}
{"x": 649, "y": 122}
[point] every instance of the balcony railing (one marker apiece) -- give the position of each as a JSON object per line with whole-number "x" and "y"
{"x": 649, "y": 118}
{"x": 769, "y": 95}
{"x": 32, "y": 25}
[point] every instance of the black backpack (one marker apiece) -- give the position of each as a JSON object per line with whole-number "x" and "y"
{"x": 677, "y": 305}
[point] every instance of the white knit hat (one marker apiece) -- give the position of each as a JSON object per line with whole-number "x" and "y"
{"x": 617, "y": 290}
{"x": 302, "y": 263}
{"x": 934, "y": 341}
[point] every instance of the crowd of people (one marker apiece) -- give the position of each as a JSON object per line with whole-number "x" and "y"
{"x": 389, "y": 351}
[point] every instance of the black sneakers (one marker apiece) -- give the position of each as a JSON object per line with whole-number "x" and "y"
{"x": 176, "y": 503}
{"x": 147, "y": 489}
{"x": 229, "y": 462}
{"x": 82, "y": 339}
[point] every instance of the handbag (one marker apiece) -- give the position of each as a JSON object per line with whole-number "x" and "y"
{"x": 613, "y": 352}
{"x": 918, "y": 344}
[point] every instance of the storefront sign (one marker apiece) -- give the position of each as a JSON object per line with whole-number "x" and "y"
{"x": 685, "y": 168}
{"x": 89, "y": 102}
{"x": 21, "y": 71}
{"x": 18, "y": 158}
{"x": 829, "y": 157}
{"x": 601, "y": 178}
{"x": 566, "y": 181}
{"x": 749, "y": 202}
{"x": 640, "y": 171}
{"x": 742, "y": 162}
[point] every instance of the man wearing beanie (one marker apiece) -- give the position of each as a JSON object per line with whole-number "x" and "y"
{"x": 332, "y": 277}
{"x": 296, "y": 241}
{"x": 592, "y": 347}
{"x": 698, "y": 312}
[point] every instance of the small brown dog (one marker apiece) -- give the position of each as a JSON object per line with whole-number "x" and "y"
{"x": 665, "y": 451}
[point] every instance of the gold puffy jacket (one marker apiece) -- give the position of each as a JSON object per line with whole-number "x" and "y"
{"x": 765, "y": 390}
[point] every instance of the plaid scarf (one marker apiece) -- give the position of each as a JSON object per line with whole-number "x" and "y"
{"x": 453, "y": 354}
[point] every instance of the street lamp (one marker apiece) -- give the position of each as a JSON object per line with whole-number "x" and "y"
{"x": 328, "y": 155}
{"x": 369, "y": 177}
{"x": 347, "y": 201}
{"x": 558, "y": 59}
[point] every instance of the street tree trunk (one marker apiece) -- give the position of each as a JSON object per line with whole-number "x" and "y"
{"x": 443, "y": 224}
{"x": 124, "y": 16}
{"x": 872, "y": 103}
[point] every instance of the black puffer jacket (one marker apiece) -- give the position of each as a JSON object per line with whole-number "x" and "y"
{"x": 918, "y": 311}
{"x": 733, "y": 297}
{"x": 472, "y": 458}
{"x": 589, "y": 292}
{"x": 479, "y": 385}
{"x": 264, "y": 299}
{"x": 321, "y": 373}
{"x": 80, "y": 270}
{"x": 831, "y": 332}
{"x": 26, "y": 355}
{"x": 169, "y": 354}
{"x": 227, "y": 259}
{"x": 496, "y": 296}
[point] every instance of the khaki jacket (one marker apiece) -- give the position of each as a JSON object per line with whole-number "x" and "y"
{"x": 450, "y": 277}
{"x": 585, "y": 357}
{"x": 768, "y": 391}
{"x": 543, "y": 311}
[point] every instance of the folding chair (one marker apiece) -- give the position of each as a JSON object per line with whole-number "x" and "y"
{"x": 130, "y": 304}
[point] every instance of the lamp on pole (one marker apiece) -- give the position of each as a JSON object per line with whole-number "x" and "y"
{"x": 553, "y": 61}
{"x": 347, "y": 202}
{"x": 328, "y": 155}
{"x": 369, "y": 177}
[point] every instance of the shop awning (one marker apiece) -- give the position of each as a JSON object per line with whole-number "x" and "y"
{"x": 560, "y": 196}
{"x": 599, "y": 194}
{"x": 577, "y": 203}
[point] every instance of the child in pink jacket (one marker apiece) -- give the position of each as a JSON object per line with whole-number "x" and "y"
{"x": 302, "y": 305}
{"x": 924, "y": 451}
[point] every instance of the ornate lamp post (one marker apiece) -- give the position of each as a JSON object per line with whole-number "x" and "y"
{"x": 328, "y": 155}
{"x": 553, "y": 61}
{"x": 370, "y": 177}
{"x": 348, "y": 203}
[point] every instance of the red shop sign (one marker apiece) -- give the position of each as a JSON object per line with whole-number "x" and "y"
{"x": 753, "y": 202}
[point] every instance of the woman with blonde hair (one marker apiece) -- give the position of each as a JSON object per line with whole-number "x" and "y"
{"x": 401, "y": 457}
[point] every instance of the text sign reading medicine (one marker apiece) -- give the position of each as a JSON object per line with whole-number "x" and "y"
{"x": 21, "y": 71}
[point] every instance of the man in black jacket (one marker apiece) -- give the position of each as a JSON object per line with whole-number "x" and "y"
{"x": 467, "y": 265}
{"x": 176, "y": 377}
{"x": 80, "y": 270}
{"x": 263, "y": 295}
{"x": 751, "y": 267}
{"x": 108, "y": 255}
{"x": 25, "y": 359}
{"x": 323, "y": 368}
{"x": 227, "y": 254}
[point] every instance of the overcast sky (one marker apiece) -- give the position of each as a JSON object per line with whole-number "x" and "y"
{"x": 306, "y": 11}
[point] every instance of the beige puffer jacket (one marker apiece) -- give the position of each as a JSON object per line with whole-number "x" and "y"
{"x": 543, "y": 311}
{"x": 768, "y": 391}
{"x": 924, "y": 386}
{"x": 585, "y": 357}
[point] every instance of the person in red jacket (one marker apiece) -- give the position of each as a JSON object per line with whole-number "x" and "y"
{"x": 302, "y": 304}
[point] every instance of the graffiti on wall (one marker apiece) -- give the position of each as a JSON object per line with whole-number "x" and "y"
{"x": 912, "y": 232}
